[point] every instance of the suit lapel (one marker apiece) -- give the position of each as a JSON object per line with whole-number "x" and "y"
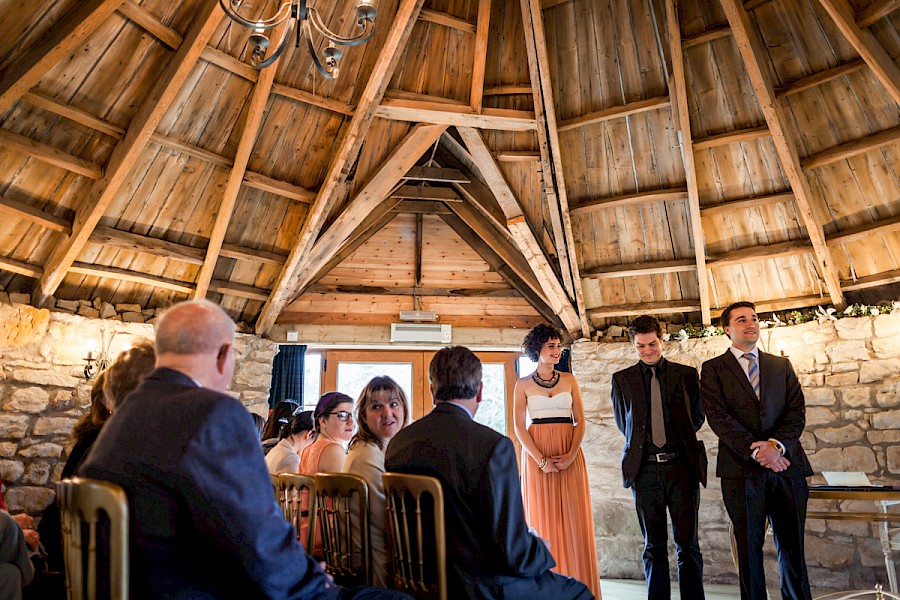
{"x": 738, "y": 372}
{"x": 641, "y": 402}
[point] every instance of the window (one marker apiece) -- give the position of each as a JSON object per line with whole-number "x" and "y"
{"x": 312, "y": 380}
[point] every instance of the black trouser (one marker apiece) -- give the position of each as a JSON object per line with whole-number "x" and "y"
{"x": 658, "y": 487}
{"x": 782, "y": 500}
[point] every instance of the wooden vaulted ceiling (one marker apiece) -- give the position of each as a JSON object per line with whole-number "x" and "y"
{"x": 500, "y": 162}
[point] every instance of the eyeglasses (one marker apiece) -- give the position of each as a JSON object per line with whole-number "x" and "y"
{"x": 342, "y": 415}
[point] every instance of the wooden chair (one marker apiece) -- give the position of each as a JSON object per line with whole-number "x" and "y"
{"x": 81, "y": 502}
{"x": 343, "y": 517}
{"x": 415, "y": 506}
{"x": 275, "y": 483}
{"x": 297, "y": 496}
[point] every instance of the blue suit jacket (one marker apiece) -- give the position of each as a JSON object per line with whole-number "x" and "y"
{"x": 204, "y": 520}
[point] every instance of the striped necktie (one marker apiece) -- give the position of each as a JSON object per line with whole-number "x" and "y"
{"x": 753, "y": 372}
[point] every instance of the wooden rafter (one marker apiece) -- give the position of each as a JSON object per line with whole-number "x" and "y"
{"x": 223, "y": 60}
{"x": 682, "y": 116}
{"x": 334, "y": 185}
{"x": 756, "y": 253}
{"x": 146, "y": 244}
{"x": 641, "y": 269}
{"x": 645, "y": 308}
{"x": 508, "y": 90}
{"x": 49, "y": 154}
{"x": 374, "y": 290}
{"x": 705, "y": 37}
{"x": 742, "y": 203}
{"x": 127, "y": 151}
{"x": 876, "y": 11}
{"x": 420, "y": 232}
{"x": 252, "y": 255}
{"x": 883, "y": 66}
{"x": 425, "y": 192}
{"x": 817, "y": 79}
{"x": 481, "y": 43}
{"x": 864, "y": 231}
{"x": 852, "y": 148}
{"x": 615, "y": 112}
{"x": 781, "y": 304}
{"x": 312, "y": 99}
{"x": 731, "y": 137}
{"x": 751, "y": 51}
{"x": 21, "y": 268}
{"x": 262, "y": 182}
{"x": 871, "y": 281}
{"x": 69, "y": 32}
{"x": 116, "y": 273}
{"x": 424, "y": 207}
{"x": 144, "y": 19}
{"x": 664, "y": 195}
{"x": 441, "y": 18}
{"x": 25, "y": 211}
{"x": 416, "y": 111}
{"x": 74, "y": 114}
{"x": 436, "y": 174}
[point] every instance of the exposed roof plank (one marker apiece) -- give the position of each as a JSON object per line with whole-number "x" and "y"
{"x": 146, "y": 244}
{"x": 240, "y": 290}
{"x": 262, "y": 182}
{"x": 876, "y": 11}
{"x": 756, "y": 253}
{"x": 144, "y": 19}
{"x": 508, "y": 90}
{"x": 21, "y": 268}
{"x": 517, "y": 155}
{"x": 341, "y": 159}
{"x": 156, "y": 102}
{"x": 74, "y": 114}
{"x": 853, "y": 148}
{"x": 751, "y": 50}
{"x": 646, "y": 308}
{"x": 252, "y": 255}
{"x": 441, "y": 18}
{"x": 743, "y": 203}
{"x": 663, "y": 195}
{"x": 864, "y": 231}
{"x": 482, "y": 30}
{"x": 131, "y": 276}
{"x": 312, "y": 99}
{"x": 615, "y": 112}
{"x": 706, "y": 37}
{"x": 25, "y": 211}
{"x": 64, "y": 36}
{"x": 821, "y": 77}
{"x": 731, "y": 137}
{"x": 191, "y": 150}
{"x": 50, "y": 155}
{"x": 229, "y": 63}
{"x": 641, "y": 269}
{"x": 451, "y": 114}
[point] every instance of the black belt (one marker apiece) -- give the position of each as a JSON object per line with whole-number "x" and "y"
{"x": 661, "y": 457}
{"x": 548, "y": 420}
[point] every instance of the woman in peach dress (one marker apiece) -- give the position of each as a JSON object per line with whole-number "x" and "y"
{"x": 554, "y": 476}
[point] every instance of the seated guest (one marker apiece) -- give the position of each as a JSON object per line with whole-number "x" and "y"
{"x": 204, "y": 521}
{"x": 259, "y": 423}
{"x": 381, "y": 412}
{"x": 16, "y": 570}
{"x": 490, "y": 552}
{"x": 279, "y": 416}
{"x": 295, "y": 436}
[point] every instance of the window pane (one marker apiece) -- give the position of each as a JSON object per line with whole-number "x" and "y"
{"x": 526, "y": 366}
{"x": 312, "y": 380}
{"x": 492, "y": 410}
{"x": 353, "y": 377}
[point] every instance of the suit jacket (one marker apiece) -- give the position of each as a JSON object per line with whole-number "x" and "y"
{"x": 631, "y": 406}
{"x": 490, "y": 553}
{"x": 204, "y": 521}
{"x": 739, "y": 418}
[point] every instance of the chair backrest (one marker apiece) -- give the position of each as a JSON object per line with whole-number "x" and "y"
{"x": 415, "y": 506}
{"x": 297, "y": 496}
{"x": 275, "y": 483}
{"x": 343, "y": 508}
{"x": 82, "y": 502}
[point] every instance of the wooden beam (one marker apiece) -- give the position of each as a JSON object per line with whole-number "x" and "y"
{"x": 782, "y": 304}
{"x": 259, "y": 181}
{"x": 517, "y": 155}
{"x": 229, "y": 63}
{"x": 743, "y": 203}
{"x": 520, "y": 230}
{"x": 433, "y": 16}
{"x": 848, "y": 149}
{"x": 424, "y": 207}
{"x": 615, "y": 112}
{"x": 313, "y": 100}
{"x": 334, "y": 185}
{"x": 876, "y": 11}
{"x": 116, "y": 273}
{"x": 252, "y": 255}
{"x": 757, "y": 253}
{"x": 551, "y": 156}
{"x": 371, "y": 290}
{"x": 256, "y": 110}
{"x": 731, "y": 137}
{"x": 864, "y": 231}
{"x": 240, "y": 290}
{"x": 73, "y": 114}
{"x": 64, "y": 36}
{"x": 641, "y": 269}
{"x": 883, "y": 66}
{"x": 460, "y": 116}
{"x": 144, "y": 19}
{"x": 49, "y": 154}
{"x": 751, "y": 49}
{"x": 705, "y": 37}
{"x": 819, "y": 78}
{"x": 417, "y": 269}
{"x": 396, "y": 94}
{"x": 508, "y": 90}
{"x": 545, "y": 4}
{"x": 21, "y": 268}
{"x": 482, "y": 29}
{"x": 645, "y": 308}
{"x": 191, "y": 150}
{"x": 681, "y": 114}
{"x": 664, "y": 195}
{"x": 146, "y": 244}
{"x": 422, "y": 192}
{"x": 126, "y": 153}
{"x": 436, "y": 174}
{"x": 27, "y": 212}
{"x": 870, "y": 281}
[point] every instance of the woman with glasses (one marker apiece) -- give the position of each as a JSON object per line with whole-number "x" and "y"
{"x": 381, "y": 412}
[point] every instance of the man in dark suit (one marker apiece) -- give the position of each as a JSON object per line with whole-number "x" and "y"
{"x": 204, "y": 521}
{"x": 490, "y": 552}
{"x": 755, "y": 405}
{"x": 657, "y": 407}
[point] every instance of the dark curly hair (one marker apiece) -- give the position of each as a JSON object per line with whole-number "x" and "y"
{"x": 538, "y": 336}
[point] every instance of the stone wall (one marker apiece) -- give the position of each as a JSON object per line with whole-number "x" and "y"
{"x": 850, "y": 372}
{"x": 43, "y": 391}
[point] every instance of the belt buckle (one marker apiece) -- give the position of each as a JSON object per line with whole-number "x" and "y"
{"x": 661, "y": 457}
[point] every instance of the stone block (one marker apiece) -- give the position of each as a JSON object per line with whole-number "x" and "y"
{"x": 819, "y": 396}
{"x": 829, "y": 554}
{"x": 67, "y": 305}
{"x": 839, "y": 435}
{"x": 846, "y": 351}
{"x": 807, "y": 440}
{"x": 877, "y": 370}
{"x": 13, "y": 426}
{"x": 812, "y": 380}
{"x": 87, "y": 303}
{"x": 44, "y": 450}
{"x": 107, "y": 311}
{"x": 891, "y": 436}
{"x": 89, "y": 311}
{"x": 11, "y": 470}
{"x": 21, "y": 325}
{"x": 821, "y": 358}
{"x": 870, "y": 553}
{"x": 15, "y": 298}
{"x": 822, "y": 578}
{"x": 852, "y": 414}
{"x": 851, "y": 458}
{"x": 250, "y": 373}
{"x": 54, "y": 426}
{"x": 887, "y": 325}
{"x": 123, "y": 308}
{"x": 846, "y": 367}
{"x": 893, "y": 459}
{"x": 856, "y": 328}
{"x": 132, "y": 317}
{"x": 805, "y": 364}
{"x": 886, "y": 347}
{"x": 842, "y": 379}
{"x": 889, "y": 419}
{"x": 57, "y": 471}
{"x": 615, "y": 331}
{"x": 29, "y": 400}
{"x": 8, "y": 449}
{"x": 888, "y": 396}
{"x": 57, "y": 377}
{"x": 856, "y": 396}
{"x": 29, "y": 499}
{"x": 819, "y": 416}
{"x": 4, "y": 297}
{"x": 97, "y": 303}
{"x": 37, "y": 473}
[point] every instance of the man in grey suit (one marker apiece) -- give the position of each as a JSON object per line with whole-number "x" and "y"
{"x": 754, "y": 403}
{"x": 490, "y": 552}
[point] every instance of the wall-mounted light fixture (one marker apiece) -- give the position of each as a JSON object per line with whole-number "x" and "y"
{"x": 97, "y": 360}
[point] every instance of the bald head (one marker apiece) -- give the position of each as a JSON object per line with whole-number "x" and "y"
{"x": 197, "y": 338}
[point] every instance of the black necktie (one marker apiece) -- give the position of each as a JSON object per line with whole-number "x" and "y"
{"x": 657, "y": 420}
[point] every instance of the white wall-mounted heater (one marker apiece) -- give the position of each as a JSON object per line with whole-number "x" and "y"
{"x": 435, "y": 333}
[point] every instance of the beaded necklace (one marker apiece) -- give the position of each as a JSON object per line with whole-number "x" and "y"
{"x": 546, "y": 383}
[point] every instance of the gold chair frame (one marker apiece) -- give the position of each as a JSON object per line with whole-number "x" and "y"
{"x": 343, "y": 516}
{"x": 404, "y": 495}
{"x": 80, "y": 502}
{"x": 291, "y": 487}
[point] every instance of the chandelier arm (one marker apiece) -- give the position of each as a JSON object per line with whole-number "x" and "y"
{"x": 283, "y": 13}
{"x": 314, "y": 54}
{"x": 282, "y": 44}
{"x": 367, "y": 25}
